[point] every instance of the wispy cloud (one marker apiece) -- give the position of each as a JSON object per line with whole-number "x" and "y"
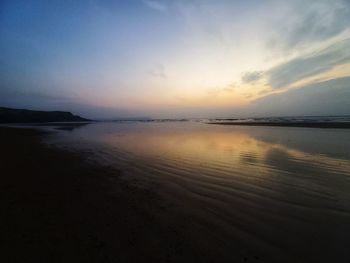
{"x": 251, "y": 77}
{"x": 157, "y": 71}
{"x": 326, "y": 97}
{"x": 231, "y": 87}
{"x": 304, "y": 23}
{"x": 156, "y": 5}
{"x": 310, "y": 65}
{"x": 222, "y": 90}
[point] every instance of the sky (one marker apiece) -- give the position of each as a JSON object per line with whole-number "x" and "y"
{"x": 176, "y": 58}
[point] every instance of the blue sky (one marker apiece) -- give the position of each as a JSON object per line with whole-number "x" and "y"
{"x": 176, "y": 58}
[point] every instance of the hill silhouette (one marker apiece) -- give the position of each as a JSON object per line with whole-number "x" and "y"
{"x": 9, "y": 115}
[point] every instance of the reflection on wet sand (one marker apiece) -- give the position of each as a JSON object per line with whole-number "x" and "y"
{"x": 246, "y": 190}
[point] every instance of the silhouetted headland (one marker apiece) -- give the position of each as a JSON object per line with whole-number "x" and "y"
{"x": 9, "y": 115}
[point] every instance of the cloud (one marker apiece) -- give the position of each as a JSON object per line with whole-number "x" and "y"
{"x": 306, "y": 66}
{"x": 330, "y": 97}
{"x": 156, "y": 5}
{"x": 158, "y": 71}
{"x": 215, "y": 92}
{"x": 251, "y": 77}
{"x": 264, "y": 91}
{"x": 312, "y": 22}
{"x": 232, "y": 87}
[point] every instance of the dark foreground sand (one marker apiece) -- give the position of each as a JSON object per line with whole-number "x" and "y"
{"x": 55, "y": 207}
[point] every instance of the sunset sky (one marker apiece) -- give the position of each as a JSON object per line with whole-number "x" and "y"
{"x": 176, "y": 58}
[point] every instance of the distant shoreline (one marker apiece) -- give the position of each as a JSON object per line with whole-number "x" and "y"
{"x": 326, "y": 125}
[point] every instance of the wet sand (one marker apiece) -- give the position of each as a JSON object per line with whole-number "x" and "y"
{"x": 59, "y": 206}
{"x": 56, "y": 207}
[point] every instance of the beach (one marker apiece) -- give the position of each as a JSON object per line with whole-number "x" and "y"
{"x": 174, "y": 131}
{"x": 56, "y": 207}
{"x": 164, "y": 192}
